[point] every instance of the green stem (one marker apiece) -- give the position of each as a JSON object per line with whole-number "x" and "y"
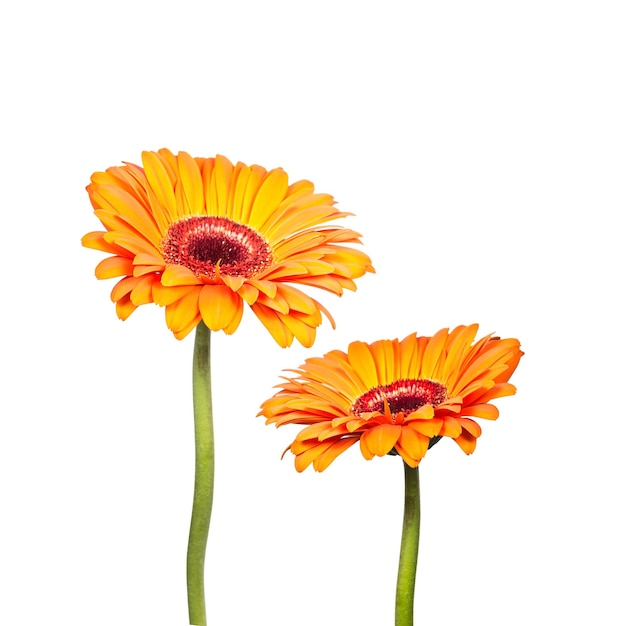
{"x": 406, "y": 578}
{"x": 203, "y": 476}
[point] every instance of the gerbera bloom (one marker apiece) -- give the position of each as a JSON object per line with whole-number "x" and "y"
{"x": 203, "y": 236}
{"x": 394, "y": 396}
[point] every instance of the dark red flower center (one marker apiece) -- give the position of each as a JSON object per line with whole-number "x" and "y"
{"x": 204, "y": 243}
{"x": 404, "y": 396}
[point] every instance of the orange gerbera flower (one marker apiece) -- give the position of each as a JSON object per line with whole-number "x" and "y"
{"x": 395, "y": 396}
{"x": 203, "y": 236}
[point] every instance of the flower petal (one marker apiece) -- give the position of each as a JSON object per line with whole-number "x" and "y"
{"x": 177, "y": 275}
{"x": 359, "y": 355}
{"x": 327, "y": 456}
{"x": 114, "y": 266}
{"x": 485, "y": 411}
{"x": 220, "y": 307}
{"x": 381, "y": 439}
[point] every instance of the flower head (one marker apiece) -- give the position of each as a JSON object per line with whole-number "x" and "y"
{"x": 202, "y": 237}
{"x": 394, "y": 396}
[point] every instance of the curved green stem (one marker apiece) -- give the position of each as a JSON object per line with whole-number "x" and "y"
{"x": 406, "y": 578}
{"x": 203, "y": 476}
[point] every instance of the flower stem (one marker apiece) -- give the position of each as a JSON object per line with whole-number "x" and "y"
{"x": 406, "y": 578}
{"x": 203, "y": 476}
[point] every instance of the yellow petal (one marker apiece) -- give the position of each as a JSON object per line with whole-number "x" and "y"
{"x": 160, "y": 182}
{"x": 268, "y": 198}
{"x": 383, "y": 358}
{"x": 191, "y": 184}
{"x": 221, "y": 185}
{"x": 362, "y": 360}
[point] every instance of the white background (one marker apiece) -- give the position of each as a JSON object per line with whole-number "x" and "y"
{"x": 478, "y": 144}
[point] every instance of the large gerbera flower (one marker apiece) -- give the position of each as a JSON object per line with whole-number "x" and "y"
{"x": 395, "y": 396}
{"x": 203, "y": 236}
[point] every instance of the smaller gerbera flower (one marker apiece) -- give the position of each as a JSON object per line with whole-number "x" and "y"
{"x": 395, "y": 396}
{"x": 204, "y": 238}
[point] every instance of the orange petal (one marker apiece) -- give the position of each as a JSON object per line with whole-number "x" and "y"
{"x": 123, "y": 287}
{"x": 428, "y": 428}
{"x": 134, "y": 243}
{"x": 494, "y": 352}
{"x": 297, "y": 300}
{"x": 303, "y": 332}
{"x": 142, "y": 270}
{"x": 466, "y": 442}
{"x": 114, "y": 266}
{"x": 433, "y": 358}
{"x": 220, "y": 307}
{"x": 184, "y": 331}
{"x": 233, "y": 282}
{"x": 337, "y": 448}
{"x": 381, "y": 439}
{"x": 143, "y": 258}
{"x": 410, "y": 460}
{"x": 413, "y": 443}
{"x": 129, "y": 209}
{"x": 274, "y": 325}
{"x": 125, "y": 307}
{"x": 471, "y": 426}
{"x": 450, "y": 427}
{"x": 265, "y": 286}
{"x": 248, "y": 293}
{"x": 177, "y": 275}
{"x": 142, "y": 292}
{"x": 303, "y": 460}
{"x": 499, "y": 390}
{"x": 384, "y": 360}
{"x": 362, "y": 360}
{"x": 314, "y": 431}
{"x": 96, "y": 241}
{"x": 181, "y": 315}
{"x": 163, "y": 296}
{"x": 485, "y": 411}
